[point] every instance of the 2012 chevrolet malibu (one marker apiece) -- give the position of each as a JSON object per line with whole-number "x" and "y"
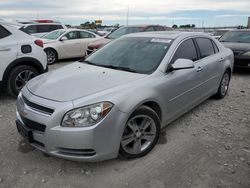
{"x": 117, "y": 100}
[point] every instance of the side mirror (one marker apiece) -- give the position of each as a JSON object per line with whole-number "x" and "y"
{"x": 63, "y": 38}
{"x": 182, "y": 64}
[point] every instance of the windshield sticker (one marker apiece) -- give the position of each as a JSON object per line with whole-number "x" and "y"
{"x": 161, "y": 40}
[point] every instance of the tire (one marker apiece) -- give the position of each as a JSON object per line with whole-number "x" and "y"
{"x": 52, "y": 56}
{"x": 144, "y": 133}
{"x": 19, "y": 76}
{"x": 224, "y": 85}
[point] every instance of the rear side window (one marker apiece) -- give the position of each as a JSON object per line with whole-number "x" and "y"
{"x": 205, "y": 46}
{"x": 4, "y": 32}
{"x": 186, "y": 50}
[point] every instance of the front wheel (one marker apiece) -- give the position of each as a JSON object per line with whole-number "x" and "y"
{"x": 224, "y": 85}
{"x": 19, "y": 76}
{"x": 141, "y": 133}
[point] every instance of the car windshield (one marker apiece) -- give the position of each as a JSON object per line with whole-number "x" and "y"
{"x": 236, "y": 36}
{"x": 123, "y": 31}
{"x": 134, "y": 54}
{"x": 54, "y": 34}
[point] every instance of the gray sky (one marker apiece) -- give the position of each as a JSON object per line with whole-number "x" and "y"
{"x": 167, "y": 12}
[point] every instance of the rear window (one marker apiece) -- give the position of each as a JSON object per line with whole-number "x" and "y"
{"x": 32, "y": 29}
{"x": 205, "y": 46}
{"x": 4, "y": 32}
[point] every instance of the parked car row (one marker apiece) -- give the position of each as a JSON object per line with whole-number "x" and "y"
{"x": 123, "y": 31}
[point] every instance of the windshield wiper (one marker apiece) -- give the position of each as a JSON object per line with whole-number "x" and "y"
{"x": 109, "y": 66}
{"x": 120, "y": 68}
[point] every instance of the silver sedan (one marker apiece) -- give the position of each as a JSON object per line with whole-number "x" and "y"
{"x": 117, "y": 100}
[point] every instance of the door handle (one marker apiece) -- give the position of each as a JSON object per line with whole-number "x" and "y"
{"x": 199, "y": 69}
{"x": 4, "y": 49}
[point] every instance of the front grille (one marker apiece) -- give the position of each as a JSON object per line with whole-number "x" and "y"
{"x": 37, "y": 107}
{"x": 33, "y": 125}
{"x": 77, "y": 152}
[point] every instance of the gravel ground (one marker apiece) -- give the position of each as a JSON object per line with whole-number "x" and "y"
{"x": 207, "y": 147}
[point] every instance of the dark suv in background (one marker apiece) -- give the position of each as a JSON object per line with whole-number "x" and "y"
{"x": 239, "y": 42}
{"x": 123, "y": 31}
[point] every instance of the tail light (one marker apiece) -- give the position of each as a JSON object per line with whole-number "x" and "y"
{"x": 39, "y": 43}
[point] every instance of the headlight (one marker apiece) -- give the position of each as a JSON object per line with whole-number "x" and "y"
{"x": 87, "y": 115}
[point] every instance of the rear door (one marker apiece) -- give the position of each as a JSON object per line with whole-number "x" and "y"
{"x": 8, "y": 49}
{"x": 72, "y": 46}
{"x": 210, "y": 66}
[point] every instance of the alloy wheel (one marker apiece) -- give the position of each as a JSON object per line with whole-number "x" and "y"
{"x": 139, "y": 134}
{"x": 22, "y": 78}
{"x": 51, "y": 56}
{"x": 224, "y": 84}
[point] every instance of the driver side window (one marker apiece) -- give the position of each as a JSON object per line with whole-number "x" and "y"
{"x": 71, "y": 35}
{"x": 186, "y": 50}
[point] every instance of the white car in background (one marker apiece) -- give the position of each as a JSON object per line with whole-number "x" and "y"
{"x": 67, "y": 43}
{"x": 22, "y": 57}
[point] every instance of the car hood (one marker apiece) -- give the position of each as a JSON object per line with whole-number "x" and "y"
{"x": 99, "y": 43}
{"x": 237, "y": 46}
{"x": 78, "y": 80}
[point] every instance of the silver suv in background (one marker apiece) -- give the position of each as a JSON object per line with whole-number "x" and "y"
{"x": 118, "y": 99}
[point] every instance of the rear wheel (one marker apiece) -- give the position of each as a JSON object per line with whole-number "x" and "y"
{"x": 224, "y": 85}
{"x": 141, "y": 133}
{"x": 51, "y": 56}
{"x": 19, "y": 76}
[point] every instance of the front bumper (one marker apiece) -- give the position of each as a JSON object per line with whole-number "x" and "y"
{"x": 95, "y": 143}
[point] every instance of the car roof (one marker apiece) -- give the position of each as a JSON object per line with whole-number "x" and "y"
{"x": 167, "y": 34}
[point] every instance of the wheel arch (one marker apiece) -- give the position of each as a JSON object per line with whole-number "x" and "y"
{"x": 22, "y": 61}
{"x": 154, "y": 105}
